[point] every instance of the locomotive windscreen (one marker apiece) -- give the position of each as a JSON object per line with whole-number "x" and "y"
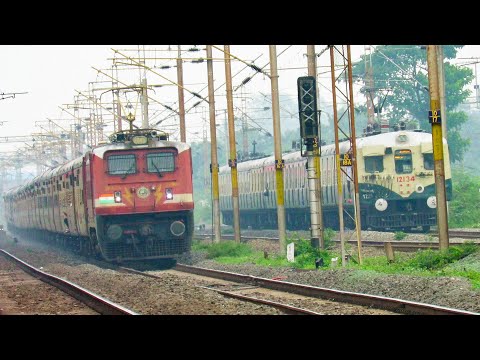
{"x": 162, "y": 162}
{"x": 122, "y": 164}
{"x": 403, "y": 161}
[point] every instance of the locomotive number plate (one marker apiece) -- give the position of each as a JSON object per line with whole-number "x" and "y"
{"x": 405, "y": 178}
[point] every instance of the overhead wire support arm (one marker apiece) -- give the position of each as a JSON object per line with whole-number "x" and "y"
{"x": 158, "y": 102}
{"x": 156, "y": 73}
{"x": 10, "y": 95}
{"x": 253, "y": 66}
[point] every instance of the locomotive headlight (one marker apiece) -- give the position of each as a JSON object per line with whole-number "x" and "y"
{"x": 419, "y": 188}
{"x": 118, "y": 196}
{"x": 432, "y": 202}
{"x": 381, "y": 204}
{"x": 169, "y": 194}
{"x": 114, "y": 232}
{"x": 177, "y": 228}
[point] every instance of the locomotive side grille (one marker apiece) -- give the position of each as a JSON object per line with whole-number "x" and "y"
{"x": 159, "y": 247}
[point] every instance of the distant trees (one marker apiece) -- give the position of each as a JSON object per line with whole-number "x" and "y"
{"x": 403, "y": 70}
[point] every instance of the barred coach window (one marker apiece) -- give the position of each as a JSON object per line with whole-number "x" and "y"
{"x": 373, "y": 163}
{"x": 161, "y": 162}
{"x": 428, "y": 161}
{"x": 122, "y": 164}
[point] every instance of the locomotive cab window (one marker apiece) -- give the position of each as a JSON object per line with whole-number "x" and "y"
{"x": 373, "y": 164}
{"x": 161, "y": 162}
{"x": 403, "y": 161}
{"x": 122, "y": 164}
{"x": 428, "y": 161}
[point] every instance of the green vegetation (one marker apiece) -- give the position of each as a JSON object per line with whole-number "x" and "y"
{"x": 428, "y": 263}
{"x": 230, "y": 252}
{"x": 402, "y": 68}
{"x": 463, "y": 209}
{"x": 400, "y": 235}
{"x": 224, "y": 249}
{"x": 462, "y": 260}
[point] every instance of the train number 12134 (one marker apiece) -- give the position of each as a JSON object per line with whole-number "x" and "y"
{"x": 405, "y": 178}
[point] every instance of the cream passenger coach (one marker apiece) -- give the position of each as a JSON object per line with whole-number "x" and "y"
{"x": 396, "y": 185}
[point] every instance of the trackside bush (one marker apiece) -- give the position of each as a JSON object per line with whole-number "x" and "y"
{"x": 434, "y": 259}
{"x": 227, "y": 249}
{"x": 305, "y": 254}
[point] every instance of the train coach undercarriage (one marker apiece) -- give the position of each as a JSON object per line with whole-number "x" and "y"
{"x": 395, "y": 219}
{"x": 125, "y": 237}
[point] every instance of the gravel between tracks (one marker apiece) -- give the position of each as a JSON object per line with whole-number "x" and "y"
{"x": 170, "y": 295}
{"x": 174, "y": 296}
{"x": 454, "y": 292}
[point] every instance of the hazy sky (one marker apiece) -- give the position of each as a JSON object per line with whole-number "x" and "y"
{"x": 51, "y": 74}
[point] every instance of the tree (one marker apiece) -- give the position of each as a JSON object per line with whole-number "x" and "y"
{"x": 400, "y": 73}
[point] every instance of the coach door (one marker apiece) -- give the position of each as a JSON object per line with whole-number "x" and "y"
{"x": 88, "y": 196}
{"x": 67, "y": 203}
{"x": 79, "y": 200}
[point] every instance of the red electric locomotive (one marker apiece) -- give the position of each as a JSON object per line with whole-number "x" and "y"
{"x": 130, "y": 199}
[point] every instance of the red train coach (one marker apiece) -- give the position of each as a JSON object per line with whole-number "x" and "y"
{"x": 130, "y": 199}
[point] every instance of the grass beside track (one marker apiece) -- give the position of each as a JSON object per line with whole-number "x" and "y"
{"x": 460, "y": 261}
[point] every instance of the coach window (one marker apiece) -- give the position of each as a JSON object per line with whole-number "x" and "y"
{"x": 428, "y": 161}
{"x": 122, "y": 164}
{"x": 373, "y": 164}
{"x": 161, "y": 162}
{"x": 403, "y": 161}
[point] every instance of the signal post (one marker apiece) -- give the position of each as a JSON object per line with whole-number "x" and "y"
{"x": 307, "y": 110}
{"x": 435, "y": 118}
{"x": 213, "y": 144}
{"x": 317, "y": 223}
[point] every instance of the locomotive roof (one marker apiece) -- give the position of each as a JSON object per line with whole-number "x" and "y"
{"x": 98, "y": 151}
{"x": 180, "y": 146}
{"x": 414, "y": 138}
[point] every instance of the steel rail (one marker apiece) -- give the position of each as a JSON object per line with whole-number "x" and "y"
{"x": 289, "y": 309}
{"x": 397, "y": 244}
{"x": 94, "y": 301}
{"x": 463, "y": 234}
{"x": 380, "y": 302}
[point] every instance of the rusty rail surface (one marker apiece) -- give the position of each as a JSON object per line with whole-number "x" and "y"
{"x": 379, "y": 302}
{"x": 288, "y": 309}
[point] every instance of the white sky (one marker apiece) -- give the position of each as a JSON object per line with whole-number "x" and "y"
{"x": 51, "y": 74}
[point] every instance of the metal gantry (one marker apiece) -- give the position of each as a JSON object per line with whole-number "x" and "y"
{"x": 344, "y": 122}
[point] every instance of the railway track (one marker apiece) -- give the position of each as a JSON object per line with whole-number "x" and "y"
{"x": 94, "y": 301}
{"x": 463, "y": 234}
{"x": 396, "y": 244}
{"x": 285, "y": 308}
{"x": 371, "y": 301}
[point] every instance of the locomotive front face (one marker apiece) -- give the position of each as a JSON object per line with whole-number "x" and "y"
{"x": 143, "y": 201}
{"x": 139, "y": 181}
{"x": 397, "y": 183}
